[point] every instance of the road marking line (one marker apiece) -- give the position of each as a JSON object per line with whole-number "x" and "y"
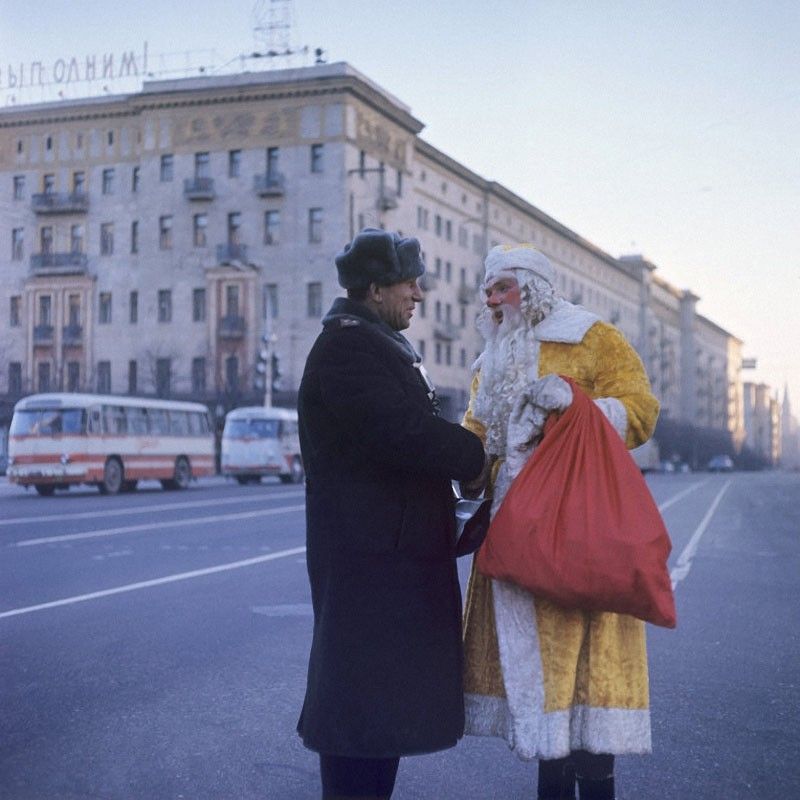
{"x": 133, "y": 587}
{"x": 684, "y": 562}
{"x": 151, "y": 526}
{"x": 115, "y": 512}
{"x": 667, "y": 503}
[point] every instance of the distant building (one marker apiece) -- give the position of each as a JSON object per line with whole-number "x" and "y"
{"x": 145, "y": 239}
{"x": 762, "y": 422}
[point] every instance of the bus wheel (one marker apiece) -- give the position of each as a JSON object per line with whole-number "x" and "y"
{"x": 181, "y": 477}
{"x": 243, "y": 479}
{"x": 45, "y": 489}
{"x": 112, "y": 477}
{"x": 129, "y": 486}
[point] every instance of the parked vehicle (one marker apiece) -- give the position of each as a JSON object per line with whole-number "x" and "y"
{"x": 61, "y": 439}
{"x": 258, "y": 441}
{"x": 720, "y": 463}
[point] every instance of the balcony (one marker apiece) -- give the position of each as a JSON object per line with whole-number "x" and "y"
{"x": 466, "y": 294}
{"x": 447, "y": 331}
{"x": 59, "y": 263}
{"x": 231, "y": 326}
{"x": 272, "y": 184}
{"x": 43, "y": 334}
{"x": 72, "y": 335}
{"x": 387, "y": 200}
{"x": 60, "y": 203}
{"x": 227, "y": 253}
{"x": 199, "y": 189}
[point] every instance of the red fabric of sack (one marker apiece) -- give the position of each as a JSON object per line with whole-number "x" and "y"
{"x": 579, "y": 525}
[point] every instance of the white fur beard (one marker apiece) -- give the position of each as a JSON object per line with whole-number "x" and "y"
{"x": 508, "y": 365}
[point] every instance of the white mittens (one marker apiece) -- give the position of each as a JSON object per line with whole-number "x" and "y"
{"x": 551, "y": 393}
{"x": 524, "y": 427}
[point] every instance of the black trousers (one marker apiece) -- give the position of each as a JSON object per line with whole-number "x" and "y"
{"x": 357, "y": 777}
{"x": 593, "y": 771}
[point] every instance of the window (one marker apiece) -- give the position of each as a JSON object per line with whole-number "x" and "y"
{"x": 104, "y": 377}
{"x": 314, "y": 225}
{"x": 19, "y": 187}
{"x": 316, "y": 158}
{"x": 399, "y": 183}
{"x": 231, "y": 373}
{"x": 272, "y": 221}
{"x": 133, "y": 307}
{"x": 136, "y": 176}
{"x": 108, "y": 181}
{"x": 437, "y": 225}
{"x": 421, "y": 348}
{"x": 164, "y": 305}
{"x": 133, "y": 377}
{"x": 73, "y": 376}
{"x": 362, "y": 162}
{"x": 45, "y": 309}
{"x": 15, "y": 378}
{"x": 234, "y": 226}
{"x": 74, "y": 309}
{"x": 167, "y": 167}
{"x": 106, "y": 238}
{"x": 198, "y": 376}
{"x": 198, "y": 305}
{"x": 46, "y": 239}
{"x": 234, "y": 163}
{"x": 232, "y": 300}
{"x": 110, "y": 138}
{"x": 43, "y": 376}
{"x": 165, "y": 232}
{"x": 448, "y": 230}
{"x": 314, "y": 300}
{"x": 199, "y": 228}
{"x": 78, "y": 182}
{"x": 49, "y": 184}
{"x": 272, "y": 162}
{"x": 163, "y": 377}
{"x": 448, "y": 271}
{"x": 438, "y": 267}
{"x": 135, "y": 236}
{"x": 104, "y": 311}
{"x": 17, "y": 244}
{"x": 271, "y": 300}
{"x": 202, "y": 165}
{"x": 76, "y": 238}
{"x": 14, "y": 315}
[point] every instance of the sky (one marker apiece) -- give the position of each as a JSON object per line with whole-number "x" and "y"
{"x": 667, "y": 128}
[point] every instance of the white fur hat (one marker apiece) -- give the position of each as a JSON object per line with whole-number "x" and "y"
{"x": 505, "y": 257}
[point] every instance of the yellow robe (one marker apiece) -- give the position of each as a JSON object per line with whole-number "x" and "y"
{"x": 557, "y": 680}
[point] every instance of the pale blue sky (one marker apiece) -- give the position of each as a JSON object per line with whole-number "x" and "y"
{"x": 666, "y": 128}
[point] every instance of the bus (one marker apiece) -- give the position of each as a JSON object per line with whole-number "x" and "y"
{"x": 63, "y": 439}
{"x": 258, "y": 441}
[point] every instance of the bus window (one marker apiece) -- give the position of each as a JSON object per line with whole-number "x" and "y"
{"x": 116, "y": 422}
{"x": 73, "y": 421}
{"x": 95, "y": 421}
{"x": 137, "y": 420}
{"x": 158, "y": 421}
{"x": 264, "y": 428}
{"x": 178, "y": 423}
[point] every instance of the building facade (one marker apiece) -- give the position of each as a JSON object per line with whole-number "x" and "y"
{"x": 148, "y": 243}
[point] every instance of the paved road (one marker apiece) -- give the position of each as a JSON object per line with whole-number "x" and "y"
{"x": 153, "y": 646}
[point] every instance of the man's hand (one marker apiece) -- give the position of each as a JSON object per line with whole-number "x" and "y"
{"x": 552, "y": 393}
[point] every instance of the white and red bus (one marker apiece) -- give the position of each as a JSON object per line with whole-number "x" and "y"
{"x": 58, "y": 440}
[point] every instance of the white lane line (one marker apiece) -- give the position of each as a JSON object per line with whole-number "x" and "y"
{"x": 116, "y": 512}
{"x": 667, "y": 503}
{"x": 684, "y": 562}
{"x": 133, "y": 587}
{"x": 157, "y": 526}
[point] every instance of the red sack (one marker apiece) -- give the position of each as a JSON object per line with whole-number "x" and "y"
{"x": 579, "y": 526}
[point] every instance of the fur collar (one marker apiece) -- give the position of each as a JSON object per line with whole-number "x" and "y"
{"x": 566, "y": 323}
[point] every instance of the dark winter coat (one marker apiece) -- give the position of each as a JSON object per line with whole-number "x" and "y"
{"x": 385, "y": 670}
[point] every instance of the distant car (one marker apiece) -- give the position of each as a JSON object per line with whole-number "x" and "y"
{"x": 720, "y": 464}
{"x": 667, "y": 466}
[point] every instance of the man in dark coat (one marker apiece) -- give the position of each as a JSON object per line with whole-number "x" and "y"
{"x": 384, "y": 675}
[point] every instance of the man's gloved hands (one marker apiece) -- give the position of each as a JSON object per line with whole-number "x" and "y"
{"x": 552, "y": 393}
{"x": 524, "y": 427}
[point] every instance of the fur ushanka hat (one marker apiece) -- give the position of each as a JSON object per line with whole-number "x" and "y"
{"x": 381, "y": 257}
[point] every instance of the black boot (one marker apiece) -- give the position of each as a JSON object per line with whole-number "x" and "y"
{"x": 597, "y": 789}
{"x": 556, "y": 779}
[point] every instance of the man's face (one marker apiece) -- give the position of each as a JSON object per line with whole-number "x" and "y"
{"x": 396, "y": 304}
{"x": 502, "y": 292}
